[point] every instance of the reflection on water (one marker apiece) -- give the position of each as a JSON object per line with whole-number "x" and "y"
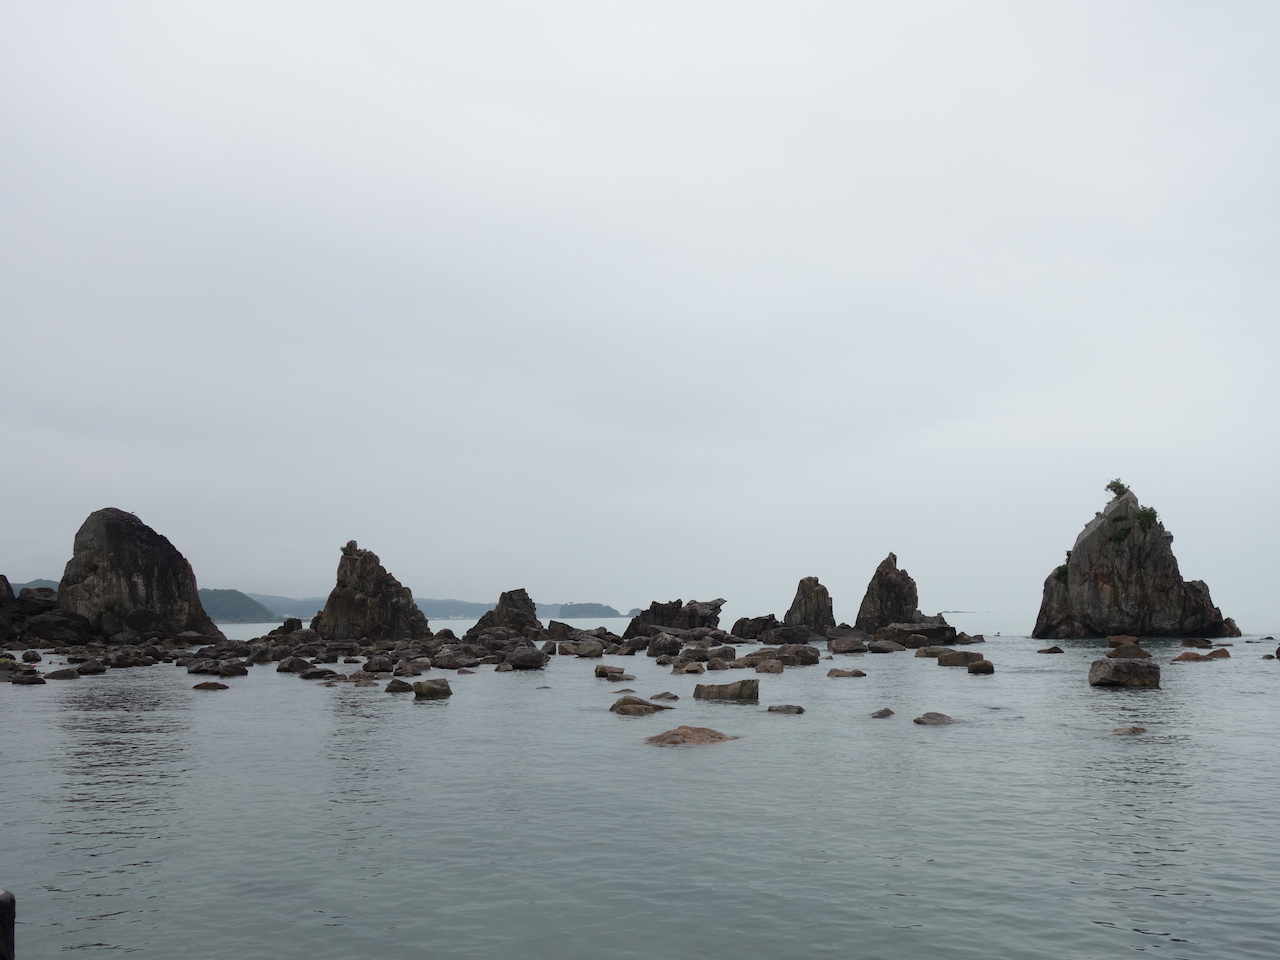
{"x": 282, "y": 818}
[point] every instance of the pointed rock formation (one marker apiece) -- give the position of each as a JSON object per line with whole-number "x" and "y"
{"x": 129, "y": 582}
{"x": 690, "y": 616}
{"x": 515, "y": 611}
{"x": 1121, "y": 578}
{"x": 811, "y": 608}
{"x": 367, "y": 601}
{"x": 891, "y": 598}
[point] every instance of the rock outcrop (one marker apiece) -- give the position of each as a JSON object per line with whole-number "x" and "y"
{"x": 367, "y": 601}
{"x": 688, "y": 616}
{"x": 811, "y": 608}
{"x": 130, "y": 583}
{"x": 1121, "y": 577}
{"x": 515, "y": 611}
{"x": 891, "y": 597}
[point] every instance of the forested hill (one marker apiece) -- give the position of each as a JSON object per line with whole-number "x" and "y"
{"x": 232, "y": 606}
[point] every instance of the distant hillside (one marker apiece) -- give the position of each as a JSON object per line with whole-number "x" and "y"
{"x": 232, "y": 606}
{"x": 578, "y": 610}
{"x": 434, "y": 609}
{"x": 453, "y": 609}
{"x": 34, "y": 584}
{"x": 290, "y": 607}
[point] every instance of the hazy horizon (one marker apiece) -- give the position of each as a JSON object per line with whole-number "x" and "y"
{"x": 631, "y": 303}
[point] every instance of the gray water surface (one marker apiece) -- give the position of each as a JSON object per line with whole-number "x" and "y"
{"x": 285, "y": 819}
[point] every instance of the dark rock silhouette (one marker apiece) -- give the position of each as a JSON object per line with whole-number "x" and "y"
{"x": 515, "y": 611}
{"x": 891, "y": 597}
{"x": 1121, "y": 577}
{"x": 811, "y": 608}
{"x": 753, "y": 628}
{"x": 367, "y": 601}
{"x": 130, "y": 582}
{"x": 688, "y": 616}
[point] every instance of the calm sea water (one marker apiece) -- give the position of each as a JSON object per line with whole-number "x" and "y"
{"x": 284, "y": 819}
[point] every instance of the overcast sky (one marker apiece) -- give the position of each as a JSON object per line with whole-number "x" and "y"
{"x": 632, "y": 301}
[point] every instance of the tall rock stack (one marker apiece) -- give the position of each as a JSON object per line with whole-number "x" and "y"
{"x": 891, "y": 597}
{"x": 367, "y": 601}
{"x": 811, "y": 608}
{"x": 1121, "y": 577}
{"x": 130, "y": 582}
{"x": 515, "y": 611}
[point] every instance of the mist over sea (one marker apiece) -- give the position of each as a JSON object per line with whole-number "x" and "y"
{"x": 284, "y": 819}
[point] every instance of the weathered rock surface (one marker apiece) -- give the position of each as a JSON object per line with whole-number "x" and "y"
{"x": 367, "y": 601}
{"x": 515, "y": 611}
{"x": 786, "y": 708}
{"x": 1121, "y": 577}
{"x": 882, "y": 713}
{"x": 982, "y": 667}
{"x": 1127, "y": 731}
{"x": 1124, "y": 673}
{"x": 688, "y": 735}
{"x": 688, "y": 616}
{"x": 933, "y": 719}
{"x": 738, "y": 690}
{"x": 891, "y": 597}
{"x": 834, "y": 672}
{"x": 811, "y": 607}
{"x": 129, "y": 582}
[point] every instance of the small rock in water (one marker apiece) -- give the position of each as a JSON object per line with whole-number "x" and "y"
{"x": 882, "y": 713}
{"x": 1127, "y": 731}
{"x": 664, "y": 696}
{"x": 982, "y": 666}
{"x": 619, "y": 678}
{"x": 835, "y": 672}
{"x": 1129, "y": 651}
{"x": 1124, "y": 673}
{"x": 769, "y": 666}
{"x": 1218, "y": 654}
{"x": 635, "y": 707}
{"x": 211, "y": 685}
{"x": 1051, "y": 650}
{"x": 395, "y": 686}
{"x": 465, "y": 670}
{"x": 504, "y": 668}
{"x": 688, "y": 735}
{"x": 66, "y": 673}
{"x": 543, "y": 687}
{"x": 933, "y": 719}
{"x": 958, "y": 658}
{"x": 437, "y": 689}
{"x": 786, "y": 708}
{"x": 31, "y": 656}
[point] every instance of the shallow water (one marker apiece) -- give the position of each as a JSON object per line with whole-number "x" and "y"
{"x": 280, "y": 818}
